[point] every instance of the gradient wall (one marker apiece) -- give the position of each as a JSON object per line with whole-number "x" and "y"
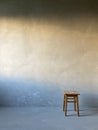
{"x": 43, "y": 55}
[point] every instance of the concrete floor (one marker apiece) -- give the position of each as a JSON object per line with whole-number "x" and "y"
{"x": 47, "y": 118}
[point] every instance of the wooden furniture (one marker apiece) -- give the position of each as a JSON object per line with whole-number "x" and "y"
{"x": 71, "y": 96}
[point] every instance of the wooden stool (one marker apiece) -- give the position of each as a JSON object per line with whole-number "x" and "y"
{"x": 71, "y": 96}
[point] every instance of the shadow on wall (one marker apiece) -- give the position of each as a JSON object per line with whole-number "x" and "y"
{"x": 90, "y": 100}
{"x": 47, "y": 8}
{"x": 19, "y": 92}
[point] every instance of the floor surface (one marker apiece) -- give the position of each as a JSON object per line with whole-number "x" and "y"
{"x": 47, "y": 118}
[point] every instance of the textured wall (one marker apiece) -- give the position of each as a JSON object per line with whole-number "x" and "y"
{"x": 42, "y": 56}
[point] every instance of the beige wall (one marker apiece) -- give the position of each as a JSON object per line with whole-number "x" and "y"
{"x": 63, "y": 52}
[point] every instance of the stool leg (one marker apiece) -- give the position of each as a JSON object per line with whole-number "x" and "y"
{"x": 77, "y": 106}
{"x": 74, "y": 103}
{"x": 65, "y": 105}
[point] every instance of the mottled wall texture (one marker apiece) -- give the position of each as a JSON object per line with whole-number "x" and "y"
{"x": 46, "y": 48}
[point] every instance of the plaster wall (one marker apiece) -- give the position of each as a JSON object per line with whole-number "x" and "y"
{"x": 42, "y": 57}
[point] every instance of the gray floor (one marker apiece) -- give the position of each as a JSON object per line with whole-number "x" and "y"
{"x": 47, "y": 118}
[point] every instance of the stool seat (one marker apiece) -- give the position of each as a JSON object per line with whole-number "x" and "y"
{"x": 72, "y": 97}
